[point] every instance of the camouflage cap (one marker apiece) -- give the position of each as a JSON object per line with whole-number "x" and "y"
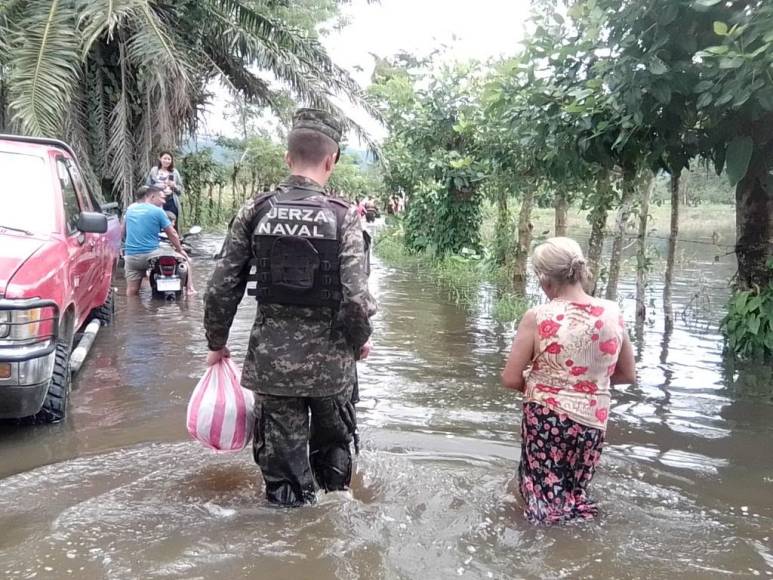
{"x": 318, "y": 120}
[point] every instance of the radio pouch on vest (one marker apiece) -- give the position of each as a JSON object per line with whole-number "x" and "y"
{"x": 296, "y": 238}
{"x": 294, "y": 263}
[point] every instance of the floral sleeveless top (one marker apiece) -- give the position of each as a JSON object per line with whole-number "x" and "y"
{"x": 577, "y": 349}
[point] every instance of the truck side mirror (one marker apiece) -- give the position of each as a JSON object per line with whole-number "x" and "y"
{"x": 110, "y": 208}
{"x": 92, "y": 222}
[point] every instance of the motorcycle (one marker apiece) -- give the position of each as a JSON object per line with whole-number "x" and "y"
{"x": 168, "y": 274}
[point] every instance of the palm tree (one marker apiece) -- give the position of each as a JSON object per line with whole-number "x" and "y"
{"x": 120, "y": 79}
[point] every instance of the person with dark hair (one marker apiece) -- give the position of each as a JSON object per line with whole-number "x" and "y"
{"x": 313, "y": 318}
{"x": 165, "y": 176}
{"x": 142, "y": 223}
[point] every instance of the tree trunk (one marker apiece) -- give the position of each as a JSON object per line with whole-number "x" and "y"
{"x": 525, "y": 228}
{"x": 754, "y": 226}
{"x": 615, "y": 260}
{"x": 502, "y": 235}
{"x": 641, "y": 251}
{"x": 562, "y": 215}
{"x": 3, "y": 102}
{"x": 234, "y": 187}
{"x": 253, "y": 185}
{"x": 668, "y": 308}
{"x": 210, "y": 202}
{"x": 195, "y": 203}
{"x": 219, "y": 201}
{"x": 598, "y": 221}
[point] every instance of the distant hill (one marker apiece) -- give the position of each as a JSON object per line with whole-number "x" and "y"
{"x": 227, "y": 156}
{"x": 363, "y": 157}
{"x": 222, "y": 155}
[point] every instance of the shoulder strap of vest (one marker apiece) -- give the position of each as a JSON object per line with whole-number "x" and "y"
{"x": 263, "y": 197}
{"x": 341, "y": 202}
{"x": 297, "y": 194}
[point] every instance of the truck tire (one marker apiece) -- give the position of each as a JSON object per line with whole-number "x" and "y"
{"x": 58, "y": 397}
{"x": 106, "y": 312}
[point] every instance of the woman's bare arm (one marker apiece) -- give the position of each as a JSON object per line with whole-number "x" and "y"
{"x": 521, "y": 353}
{"x": 625, "y": 371}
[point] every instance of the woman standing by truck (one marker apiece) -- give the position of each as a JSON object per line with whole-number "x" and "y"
{"x": 165, "y": 177}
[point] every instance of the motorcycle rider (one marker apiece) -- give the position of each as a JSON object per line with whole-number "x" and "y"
{"x": 143, "y": 221}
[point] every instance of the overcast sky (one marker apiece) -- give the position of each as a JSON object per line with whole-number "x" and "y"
{"x": 471, "y": 28}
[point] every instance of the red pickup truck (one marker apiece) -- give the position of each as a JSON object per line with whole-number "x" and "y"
{"x": 58, "y": 251}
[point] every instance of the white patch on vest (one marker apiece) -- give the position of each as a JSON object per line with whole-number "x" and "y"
{"x": 299, "y": 215}
{"x": 267, "y": 228}
{"x": 305, "y": 222}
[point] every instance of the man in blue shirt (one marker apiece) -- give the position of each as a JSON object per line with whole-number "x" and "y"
{"x": 143, "y": 221}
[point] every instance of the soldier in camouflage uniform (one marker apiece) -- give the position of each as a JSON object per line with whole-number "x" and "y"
{"x": 312, "y": 322}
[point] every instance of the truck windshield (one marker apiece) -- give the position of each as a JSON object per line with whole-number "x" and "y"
{"x": 26, "y": 195}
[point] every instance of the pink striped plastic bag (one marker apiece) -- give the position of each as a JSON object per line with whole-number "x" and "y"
{"x": 221, "y": 411}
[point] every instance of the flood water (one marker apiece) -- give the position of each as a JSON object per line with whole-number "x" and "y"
{"x": 118, "y": 491}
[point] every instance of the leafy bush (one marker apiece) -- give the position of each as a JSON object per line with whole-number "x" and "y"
{"x": 748, "y": 325}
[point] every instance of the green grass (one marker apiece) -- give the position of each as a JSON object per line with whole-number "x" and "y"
{"x": 389, "y": 246}
{"x": 699, "y": 222}
{"x": 706, "y": 222}
{"x": 461, "y": 276}
{"x": 509, "y": 307}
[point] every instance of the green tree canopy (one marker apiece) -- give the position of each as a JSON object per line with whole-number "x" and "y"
{"x": 122, "y": 78}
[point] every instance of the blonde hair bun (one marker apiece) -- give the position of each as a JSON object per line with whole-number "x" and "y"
{"x": 561, "y": 260}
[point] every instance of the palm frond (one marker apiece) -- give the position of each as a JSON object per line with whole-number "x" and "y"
{"x": 291, "y": 54}
{"x": 163, "y": 119}
{"x": 77, "y": 133}
{"x": 151, "y": 47}
{"x": 97, "y": 119}
{"x": 144, "y": 137}
{"x": 100, "y": 18}
{"x": 120, "y": 145}
{"x": 46, "y": 66}
{"x": 9, "y": 13}
{"x": 240, "y": 80}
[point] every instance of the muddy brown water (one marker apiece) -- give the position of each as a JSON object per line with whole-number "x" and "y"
{"x": 119, "y": 492}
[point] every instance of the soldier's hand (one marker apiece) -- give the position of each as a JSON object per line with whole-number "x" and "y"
{"x": 365, "y": 350}
{"x": 215, "y": 356}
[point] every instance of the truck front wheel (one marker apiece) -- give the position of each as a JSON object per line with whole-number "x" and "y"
{"x": 106, "y": 312}
{"x": 58, "y": 397}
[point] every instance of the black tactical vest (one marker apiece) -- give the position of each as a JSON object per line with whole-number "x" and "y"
{"x": 296, "y": 241}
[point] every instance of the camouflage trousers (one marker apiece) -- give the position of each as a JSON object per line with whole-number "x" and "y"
{"x": 302, "y": 443}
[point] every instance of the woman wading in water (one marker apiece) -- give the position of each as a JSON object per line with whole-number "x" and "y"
{"x": 564, "y": 358}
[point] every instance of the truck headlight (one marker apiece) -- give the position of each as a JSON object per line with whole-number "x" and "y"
{"x": 5, "y": 318}
{"x": 26, "y": 325}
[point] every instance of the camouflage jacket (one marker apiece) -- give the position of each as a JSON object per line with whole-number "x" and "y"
{"x": 293, "y": 350}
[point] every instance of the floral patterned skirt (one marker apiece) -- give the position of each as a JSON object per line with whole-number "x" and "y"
{"x": 558, "y": 459}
